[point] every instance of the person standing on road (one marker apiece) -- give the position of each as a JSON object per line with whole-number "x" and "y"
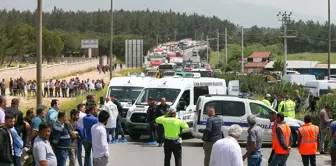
{"x": 211, "y": 134}
{"x": 100, "y": 148}
{"x": 3, "y": 104}
{"x": 332, "y": 134}
{"x": 7, "y": 146}
{"x": 80, "y": 128}
{"x": 254, "y": 142}
{"x": 308, "y": 141}
{"x": 272, "y": 118}
{"x": 324, "y": 127}
{"x": 161, "y": 110}
{"x": 89, "y": 120}
{"x": 111, "y": 124}
{"x": 227, "y": 151}
{"x": 119, "y": 129}
{"x": 42, "y": 151}
{"x": 151, "y": 120}
{"x": 172, "y": 135}
{"x": 61, "y": 139}
{"x": 282, "y": 143}
{"x": 53, "y": 111}
{"x": 71, "y": 126}
{"x": 3, "y": 87}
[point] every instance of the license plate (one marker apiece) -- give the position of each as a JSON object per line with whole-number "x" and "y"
{"x": 140, "y": 126}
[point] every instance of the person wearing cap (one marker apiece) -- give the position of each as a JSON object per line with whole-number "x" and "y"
{"x": 172, "y": 142}
{"x": 266, "y": 100}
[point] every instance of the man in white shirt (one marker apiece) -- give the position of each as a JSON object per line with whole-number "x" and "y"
{"x": 81, "y": 108}
{"x": 99, "y": 142}
{"x": 3, "y": 104}
{"x": 227, "y": 151}
{"x": 111, "y": 124}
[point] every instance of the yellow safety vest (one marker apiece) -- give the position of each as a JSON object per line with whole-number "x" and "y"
{"x": 280, "y": 106}
{"x": 289, "y": 109}
{"x": 266, "y": 102}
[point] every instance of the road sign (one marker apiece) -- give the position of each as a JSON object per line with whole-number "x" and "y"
{"x": 134, "y": 53}
{"x": 91, "y": 43}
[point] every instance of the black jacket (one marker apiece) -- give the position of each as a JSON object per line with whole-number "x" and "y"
{"x": 120, "y": 108}
{"x": 6, "y": 155}
{"x": 18, "y": 116}
{"x": 161, "y": 110}
{"x": 151, "y": 113}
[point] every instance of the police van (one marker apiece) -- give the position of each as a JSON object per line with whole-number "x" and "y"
{"x": 127, "y": 89}
{"x": 180, "y": 93}
{"x": 234, "y": 110}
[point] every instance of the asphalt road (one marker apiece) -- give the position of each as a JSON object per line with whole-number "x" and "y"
{"x": 140, "y": 154}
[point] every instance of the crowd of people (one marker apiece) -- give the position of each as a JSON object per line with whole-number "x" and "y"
{"x": 52, "y": 88}
{"x": 106, "y": 68}
{"x": 50, "y": 137}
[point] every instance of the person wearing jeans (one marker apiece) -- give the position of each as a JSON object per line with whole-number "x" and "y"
{"x": 254, "y": 142}
{"x": 88, "y": 121}
{"x": 18, "y": 145}
{"x": 324, "y": 127}
{"x": 151, "y": 120}
{"x": 111, "y": 125}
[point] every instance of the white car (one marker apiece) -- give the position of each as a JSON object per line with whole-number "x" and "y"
{"x": 234, "y": 110}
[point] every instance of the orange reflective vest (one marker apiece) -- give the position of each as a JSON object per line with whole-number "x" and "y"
{"x": 286, "y": 133}
{"x": 274, "y": 134}
{"x": 309, "y": 133}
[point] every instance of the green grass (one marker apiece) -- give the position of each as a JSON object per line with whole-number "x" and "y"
{"x": 321, "y": 57}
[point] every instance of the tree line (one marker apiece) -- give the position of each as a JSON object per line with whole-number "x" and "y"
{"x": 63, "y": 31}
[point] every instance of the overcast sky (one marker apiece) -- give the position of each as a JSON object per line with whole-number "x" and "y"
{"x": 238, "y": 10}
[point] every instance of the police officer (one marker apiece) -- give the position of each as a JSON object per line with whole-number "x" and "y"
{"x": 172, "y": 141}
{"x": 161, "y": 109}
{"x": 151, "y": 120}
{"x": 289, "y": 107}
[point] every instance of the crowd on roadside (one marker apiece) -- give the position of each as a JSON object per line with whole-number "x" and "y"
{"x": 54, "y": 138}
{"x": 51, "y": 88}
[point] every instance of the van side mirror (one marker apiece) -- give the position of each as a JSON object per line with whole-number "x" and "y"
{"x": 181, "y": 105}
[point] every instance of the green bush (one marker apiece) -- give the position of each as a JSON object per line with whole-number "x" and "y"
{"x": 257, "y": 85}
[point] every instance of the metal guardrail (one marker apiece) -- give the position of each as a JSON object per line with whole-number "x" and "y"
{"x": 31, "y": 66}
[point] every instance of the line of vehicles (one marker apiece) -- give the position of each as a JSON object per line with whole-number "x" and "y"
{"x": 190, "y": 95}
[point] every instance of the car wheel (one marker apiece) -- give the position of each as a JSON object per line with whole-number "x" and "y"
{"x": 135, "y": 137}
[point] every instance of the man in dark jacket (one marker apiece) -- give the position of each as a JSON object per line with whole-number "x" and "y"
{"x": 20, "y": 124}
{"x": 6, "y": 141}
{"x": 119, "y": 129}
{"x": 151, "y": 121}
{"x": 161, "y": 110}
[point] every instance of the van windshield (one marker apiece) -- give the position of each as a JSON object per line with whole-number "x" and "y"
{"x": 157, "y": 94}
{"x": 204, "y": 73}
{"x": 125, "y": 94}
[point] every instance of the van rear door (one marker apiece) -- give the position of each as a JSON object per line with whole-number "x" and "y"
{"x": 233, "y": 88}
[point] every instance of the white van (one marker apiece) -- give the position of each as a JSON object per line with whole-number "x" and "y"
{"x": 180, "y": 93}
{"x": 127, "y": 89}
{"x": 234, "y": 110}
{"x": 298, "y": 79}
{"x": 320, "y": 87}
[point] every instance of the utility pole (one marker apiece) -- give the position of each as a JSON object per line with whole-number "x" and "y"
{"x": 111, "y": 43}
{"x": 329, "y": 40}
{"x": 39, "y": 54}
{"x": 226, "y": 46}
{"x": 207, "y": 51}
{"x": 217, "y": 61}
{"x": 242, "y": 49}
{"x": 202, "y": 36}
{"x": 285, "y": 18}
{"x": 157, "y": 40}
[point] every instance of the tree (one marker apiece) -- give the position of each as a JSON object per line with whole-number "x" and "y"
{"x": 278, "y": 65}
{"x": 71, "y": 43}
{"x": 52, "y": 44}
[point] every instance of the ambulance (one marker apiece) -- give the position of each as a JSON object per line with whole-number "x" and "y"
{"x": 181, "y": 93}
{"x": 127, "y": 89}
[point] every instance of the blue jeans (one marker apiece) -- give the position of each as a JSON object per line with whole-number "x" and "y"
{"x": 61, "y": 156}
{"x": 119, "y": 129}
{"x": 79, "y": 151}
{"x": 151, "y": 132}
{"x": 279, "y": 160}
{"x": 110, "y": 131}
{"x": 17, "y": 160}
{"x": 87, "y": 147}
{"x": 254, "y": 159}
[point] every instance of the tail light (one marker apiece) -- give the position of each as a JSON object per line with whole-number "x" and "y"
{"x": 188, "y": 69}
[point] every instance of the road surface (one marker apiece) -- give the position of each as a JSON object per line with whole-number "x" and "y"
{"x": 140, "y": 154}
